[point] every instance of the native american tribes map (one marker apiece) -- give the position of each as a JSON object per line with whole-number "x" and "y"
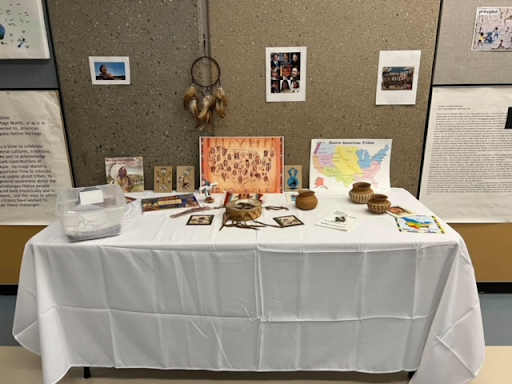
{"x": 337, "y": 164}
{"x": 243, "y": 164}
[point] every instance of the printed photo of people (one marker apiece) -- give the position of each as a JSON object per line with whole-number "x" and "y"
{"x": 397, "y": 78}
{"x": 285, "y": 72}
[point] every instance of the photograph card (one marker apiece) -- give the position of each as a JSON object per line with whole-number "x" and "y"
{"x": 288, "y": 221}
{"x": 127, "y": 172}
{"x": 292, "y": 178}
{"x": 113, "y": 70}
{"x": 185, "y": 178}
{"x": 397, "y": 79}
{"x": 286, "y": 73}
{"x": 169, "y": 202}
{"x": 398, "y": 211}
{"x": 162, "y": 179}
{"x": 200, "y": 220}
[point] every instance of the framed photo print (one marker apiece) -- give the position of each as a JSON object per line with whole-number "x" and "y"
{"x": 248, "y": 164}
{"x": 288, "y": 221}
{"x": 113, "y": 70}
{"x": 286, "y": 73}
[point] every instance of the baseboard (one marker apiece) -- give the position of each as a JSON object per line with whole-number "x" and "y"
{"x": 498, "y": 287}
{"x": 8, "y": 290}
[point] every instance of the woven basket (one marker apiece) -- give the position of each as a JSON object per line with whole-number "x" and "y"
{"x": 379, "y": 203}
{"x": 361, "y": 192}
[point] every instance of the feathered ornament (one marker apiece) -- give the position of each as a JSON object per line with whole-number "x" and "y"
{"x": 205, "y": 117}
{"x": 190, "y": 101}
{"x": 221, "y": 101}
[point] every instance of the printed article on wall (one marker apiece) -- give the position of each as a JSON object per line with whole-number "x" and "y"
{"x": 34, "y": 162}
{"x": 467, "y": 170}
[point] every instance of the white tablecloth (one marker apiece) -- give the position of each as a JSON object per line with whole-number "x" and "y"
{"x": 166, "y": 295}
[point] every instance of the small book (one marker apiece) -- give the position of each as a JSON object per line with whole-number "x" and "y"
{"x": 169, "y": 202}
{"x": 419, "y": 224}
{"x": 340, "y": 220}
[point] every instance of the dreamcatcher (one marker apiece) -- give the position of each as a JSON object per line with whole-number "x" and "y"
{"x": 200, "y": 99}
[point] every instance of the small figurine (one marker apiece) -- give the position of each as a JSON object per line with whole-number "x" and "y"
{"x": 207, "y": 187}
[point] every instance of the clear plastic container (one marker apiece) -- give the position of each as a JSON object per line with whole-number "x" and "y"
{"x": 84, "y": 217}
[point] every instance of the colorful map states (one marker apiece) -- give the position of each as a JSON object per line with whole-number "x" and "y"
{"x": 343, "y": 162}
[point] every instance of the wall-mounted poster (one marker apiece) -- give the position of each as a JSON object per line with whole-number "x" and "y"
{"x": 397, "y": 79}
{"x": 493, "y": 30}
{"x": 113, "y": 70}
{"x": 336, "y": 164}
{"x": 34, "y": 164}
{"x": 286, "y": 73}
{"x": 243, "y": 164}
{"x": 23, "y": 30}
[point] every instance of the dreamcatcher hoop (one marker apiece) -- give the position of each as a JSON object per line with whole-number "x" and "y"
{"x": 205, "y": 72}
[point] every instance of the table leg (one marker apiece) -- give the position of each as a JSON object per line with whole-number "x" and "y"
{"x": 87, "y": 372}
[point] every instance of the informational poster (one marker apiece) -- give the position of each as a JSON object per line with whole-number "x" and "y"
{"x": 22, "y": 30}
{"x": 397, "y": 79}
{"x": 243, "y": 164}
{"x": 336, "y": 164}
{"x": 493, "y": 30}
{"x": 286, "y": 73}
{"x": 467, "y": 169}
{"x": 34, "y": 164}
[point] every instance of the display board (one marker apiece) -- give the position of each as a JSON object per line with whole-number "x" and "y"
{"x": 34, "y": 163}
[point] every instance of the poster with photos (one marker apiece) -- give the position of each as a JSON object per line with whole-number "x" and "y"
{"x": 23, "y": 30}
{"x": 493, "y": 30}
{"x": 286, "y": 73}
{"x": 397, "y": 79}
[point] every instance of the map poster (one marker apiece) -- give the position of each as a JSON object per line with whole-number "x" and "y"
{"x": 338, "y": 163}
{"x": 243, "y": 164}
{"x": 22, "y": 30}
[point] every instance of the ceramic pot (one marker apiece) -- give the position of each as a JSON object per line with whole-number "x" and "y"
{"x": 306, "y": 200}
{"x": 379, "y": 203}
{"x": 361, "y": 192}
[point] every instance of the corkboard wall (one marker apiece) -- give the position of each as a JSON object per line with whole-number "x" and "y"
{"x": 343, "y": 41}
{"x": 162, "y": 39}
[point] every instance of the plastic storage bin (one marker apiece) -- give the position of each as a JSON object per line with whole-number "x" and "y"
{"x": 84, "y": 217}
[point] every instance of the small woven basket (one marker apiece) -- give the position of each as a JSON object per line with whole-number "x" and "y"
{"x": 379, "y": 203}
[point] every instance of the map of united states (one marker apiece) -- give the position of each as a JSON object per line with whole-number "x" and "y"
{"x": 347, "y": 163}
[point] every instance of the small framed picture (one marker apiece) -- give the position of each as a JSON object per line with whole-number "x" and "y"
{"x": 200, "y": 220}
{"x": 292, "y": 178}
{"x": 163, "y": 179}
{"x": 185, "y": 178}
{"x": 113, "y": 70}
{"x": 398, "y": 211}
{"x": 288, "y": 221}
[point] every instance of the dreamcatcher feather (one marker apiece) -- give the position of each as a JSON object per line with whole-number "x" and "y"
{"x": 205, "y": 116}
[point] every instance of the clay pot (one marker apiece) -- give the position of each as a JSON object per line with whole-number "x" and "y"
{"x": 379, "y": 203}
{"x": 361, "y": 192}
{"x": 306, "y": 200}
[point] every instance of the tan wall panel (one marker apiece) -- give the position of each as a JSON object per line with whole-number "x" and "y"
{"x": 343, "y": 41}
{"x": 490, "y": 248}
{"x": 12, "y": 244}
